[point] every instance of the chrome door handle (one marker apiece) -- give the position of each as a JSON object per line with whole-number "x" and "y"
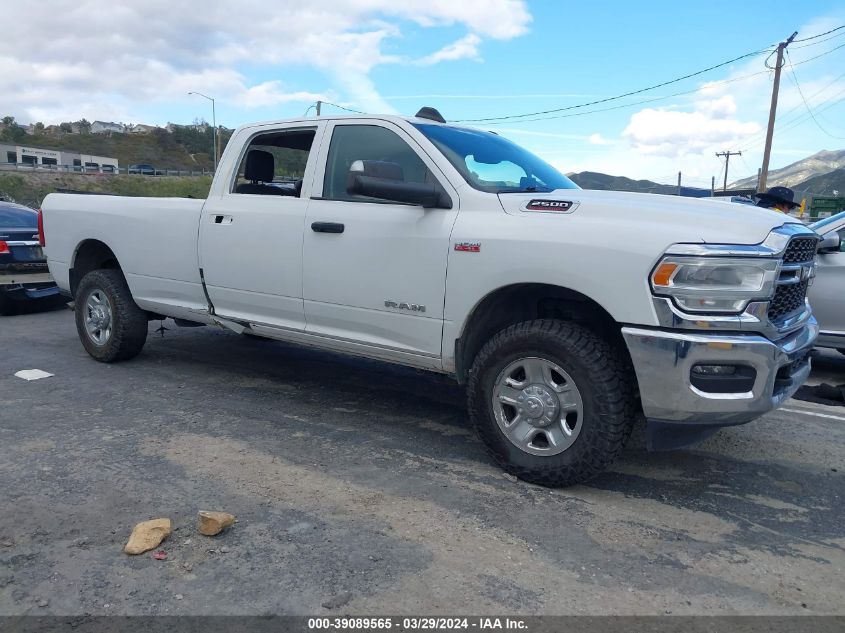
{"x": 222, "y": 219}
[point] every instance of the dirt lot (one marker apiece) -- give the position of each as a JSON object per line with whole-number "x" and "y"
{"x": 360, "y": 483}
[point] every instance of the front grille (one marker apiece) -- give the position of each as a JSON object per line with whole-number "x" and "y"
{"x": 801, "y": 249}
{"x": 788, "y": 298}
{"x": 789, "y": 295}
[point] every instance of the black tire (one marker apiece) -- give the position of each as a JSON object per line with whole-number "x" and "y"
{"x": 128, "y": 322}
{"x": 7, "y": 306}
{"x": 604, "y": 380}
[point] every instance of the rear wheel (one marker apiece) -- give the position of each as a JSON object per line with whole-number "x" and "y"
{"x": 552, "y": 401}
{"x": 110, "y": 324}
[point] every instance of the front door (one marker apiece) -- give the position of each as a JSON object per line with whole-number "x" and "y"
{"x": 251, "y": 233}
{"x": 374, "y": 271}
{"x": 827, "y": 294}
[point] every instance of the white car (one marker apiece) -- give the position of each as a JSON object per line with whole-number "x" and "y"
{"x": 827, "y": 294}
{"x": 566, "y": 313}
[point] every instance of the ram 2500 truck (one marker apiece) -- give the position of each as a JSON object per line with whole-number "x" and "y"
{"x": 566, "y": 313}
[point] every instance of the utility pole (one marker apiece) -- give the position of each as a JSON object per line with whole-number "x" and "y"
{"x": 764, "y": 173}
{"x": 727, "y": 156}
{"x": 679, "y": 183}
{"x": 712, "y": 186}
{"x": 319, "y": 103}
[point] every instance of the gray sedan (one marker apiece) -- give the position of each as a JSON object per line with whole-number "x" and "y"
{"x": 827, "y": 294}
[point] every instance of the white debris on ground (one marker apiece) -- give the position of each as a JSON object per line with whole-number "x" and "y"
{"x": 32, "y": 374}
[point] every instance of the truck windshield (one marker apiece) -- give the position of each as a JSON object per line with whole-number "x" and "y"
{"x": 494, "y": 164}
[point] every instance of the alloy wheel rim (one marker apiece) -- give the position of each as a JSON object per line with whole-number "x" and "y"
{"x": 98, "y": 317}
{"x": 538, "y": 406}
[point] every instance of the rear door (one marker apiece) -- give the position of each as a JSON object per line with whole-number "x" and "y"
{"x": 250, "y": 236}
{"x": 375, "y": 271}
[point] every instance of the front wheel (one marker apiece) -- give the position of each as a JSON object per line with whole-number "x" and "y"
{"x": 110, "y": 324}
{"x": 552, "y": 401}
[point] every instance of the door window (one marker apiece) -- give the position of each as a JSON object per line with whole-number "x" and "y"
{"x": 368, "y": 142}
{"x": 274, "y": 164}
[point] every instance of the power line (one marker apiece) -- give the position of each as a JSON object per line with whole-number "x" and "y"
{"x": 633, "y": 103}
{"x": 783, "y": 124}
{"x": 812, "y": 37}
{"x": 621, "y": 96}
{"x": 804, "y": 61}
{"x": 342, "y": 107}
{"x": 827, "y": 39}
{"x": 807, "y": 105}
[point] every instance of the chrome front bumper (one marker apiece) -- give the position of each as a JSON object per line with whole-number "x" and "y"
{"x": 678, "y": 413}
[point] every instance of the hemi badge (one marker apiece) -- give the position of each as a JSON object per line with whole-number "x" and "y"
{"x": 468, "y": 247}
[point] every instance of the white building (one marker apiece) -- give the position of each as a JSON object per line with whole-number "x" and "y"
{"x": 101, "y": 127}
{"x": 55, "y": 159}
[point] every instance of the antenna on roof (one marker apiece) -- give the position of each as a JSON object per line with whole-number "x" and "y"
{"x": 431, "y": 114}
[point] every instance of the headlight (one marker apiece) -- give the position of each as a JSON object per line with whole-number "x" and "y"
{"x": 714, "y": 284}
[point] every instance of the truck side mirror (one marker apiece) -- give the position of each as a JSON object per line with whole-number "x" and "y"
{"x": 385, "y": 180}
{"x": 831, "y": 243}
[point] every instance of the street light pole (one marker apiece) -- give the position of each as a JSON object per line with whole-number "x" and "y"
{"x": 213, "y": 123}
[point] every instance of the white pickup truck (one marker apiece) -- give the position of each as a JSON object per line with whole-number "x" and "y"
{"x": 567, "y": 313}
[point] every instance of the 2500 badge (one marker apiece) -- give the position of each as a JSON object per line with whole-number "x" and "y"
{"x": 550, "y": 206}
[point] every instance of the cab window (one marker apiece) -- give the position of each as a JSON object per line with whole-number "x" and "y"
{"x": 351, "y": 143}
{"x": 274, "y": 164}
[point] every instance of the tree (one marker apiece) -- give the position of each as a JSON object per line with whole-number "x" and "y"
{"x": 84, "y": 126}
{"x": 11, "y": 130}
{"x": 39, "y": 128}
{"x": 66, "y": 127}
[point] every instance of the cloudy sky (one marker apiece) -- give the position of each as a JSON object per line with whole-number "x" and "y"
{"x": 472, "y": 59}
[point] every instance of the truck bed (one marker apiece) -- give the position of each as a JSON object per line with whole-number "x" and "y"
{"x": 153, "y": 239}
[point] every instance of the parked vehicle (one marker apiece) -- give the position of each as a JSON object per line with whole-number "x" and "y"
{"x": 827, "y": 294}
{"x": 566, "y": 313}
{"x": 143, "y": 169}
{"x": 736, "y": 199}
{"x": 24, "y": 277}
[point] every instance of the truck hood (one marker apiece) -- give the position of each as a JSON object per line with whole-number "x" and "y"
{"x": 694, "y": 219}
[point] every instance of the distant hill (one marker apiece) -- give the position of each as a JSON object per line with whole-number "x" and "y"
{"x": 605, "y": 182}
{"x": 825, "y": 184}
{"x": 799, "y": 172}
{"x": 30, "y": 188}
{"x": 183, "y": 149}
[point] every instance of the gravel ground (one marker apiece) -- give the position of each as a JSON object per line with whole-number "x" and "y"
{"x": 358, "y": 485}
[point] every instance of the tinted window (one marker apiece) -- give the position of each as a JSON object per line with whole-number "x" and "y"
{"x": 13, "y": 216}
{"x": 368, "y": 142}
{"x": 491, "y": 163}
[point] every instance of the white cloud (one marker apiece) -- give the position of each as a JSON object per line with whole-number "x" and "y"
{"x": 123, "y": 54}
{"x": 672, "y": 133}
{"x": 598, "y": 139}
{"x": 464, "y": 48}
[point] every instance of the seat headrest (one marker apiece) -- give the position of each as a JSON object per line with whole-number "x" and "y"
{"x": 260, "y": 166}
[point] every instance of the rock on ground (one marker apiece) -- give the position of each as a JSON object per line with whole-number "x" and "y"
{"x": 147, "y": 535}
{"x": 212, "y": 523}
